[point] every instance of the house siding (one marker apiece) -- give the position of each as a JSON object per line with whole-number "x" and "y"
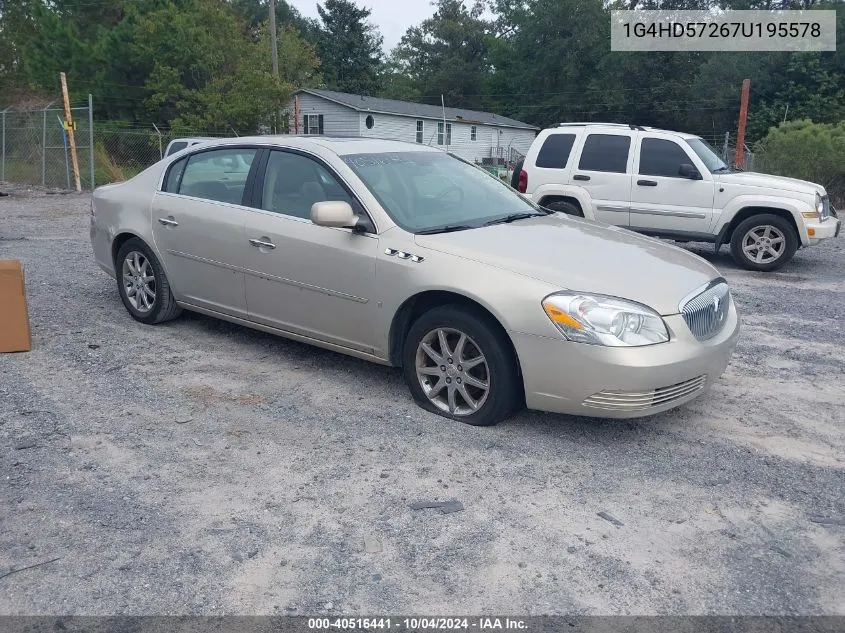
{"x": 341, "y": 120}
{"x": 338, "y": 120}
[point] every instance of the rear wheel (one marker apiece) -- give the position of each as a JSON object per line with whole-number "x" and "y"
{"x": 763, "y": 242}
{"x": 458, "y": 364}
{"x": 142, "y": 284}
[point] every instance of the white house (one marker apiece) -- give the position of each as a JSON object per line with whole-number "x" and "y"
{"x": 480, "y": 137}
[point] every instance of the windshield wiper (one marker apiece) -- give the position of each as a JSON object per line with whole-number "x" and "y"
{"x": 513, "y": 216}
{"x": 449, "y": 228}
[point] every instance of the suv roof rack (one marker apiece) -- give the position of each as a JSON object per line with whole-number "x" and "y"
{"x": 632, "y": 126}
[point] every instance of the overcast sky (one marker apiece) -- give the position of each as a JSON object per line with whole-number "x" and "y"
{"x": 393, "y": 17}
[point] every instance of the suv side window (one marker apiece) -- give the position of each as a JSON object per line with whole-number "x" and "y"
{"x": 605, "y": 152}
{"x": 176, "y": 146}
{"x": 555, "y": 151}
{"x": 218, "y": 174}
{"x": 659, "y": 157}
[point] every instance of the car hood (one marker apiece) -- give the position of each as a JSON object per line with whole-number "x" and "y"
{"x": 584, "y": 256}
{"x": 767, "y": 181}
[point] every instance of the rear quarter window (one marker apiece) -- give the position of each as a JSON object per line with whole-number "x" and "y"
{"x": 554, "y": 154}
{"x": 174, "y": 175}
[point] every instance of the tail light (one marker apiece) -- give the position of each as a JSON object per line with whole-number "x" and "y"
{"x": 523, "y": 181}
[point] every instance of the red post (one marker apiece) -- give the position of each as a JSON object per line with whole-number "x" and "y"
{"x": 743, "y": 116}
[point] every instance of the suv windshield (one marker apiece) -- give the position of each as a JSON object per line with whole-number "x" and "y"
{"x": 434, "y": 191}
{"x": 708, "y": 155}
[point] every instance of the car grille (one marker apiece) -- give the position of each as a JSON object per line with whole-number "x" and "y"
{"x": 707, "y": 311}
{"x": 640, "y": 400}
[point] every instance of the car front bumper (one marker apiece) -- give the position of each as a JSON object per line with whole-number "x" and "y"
{"x": 818, "y": 230}
{"x": 619, "y": 382}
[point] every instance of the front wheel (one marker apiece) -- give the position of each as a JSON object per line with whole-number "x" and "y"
{"x": 458, "y": 364}
{"x": 763, "y": 242}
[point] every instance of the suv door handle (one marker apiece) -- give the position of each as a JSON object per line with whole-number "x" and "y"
{"x": 647, "y": 183}
{"x": 168, "y": 221}
{"x": 580, "y": 177}
{"x": 261, "y": 243}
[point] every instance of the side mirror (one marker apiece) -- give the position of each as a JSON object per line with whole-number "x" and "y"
{"x": 336, "y": 213}
{"x": 688, "y": 171}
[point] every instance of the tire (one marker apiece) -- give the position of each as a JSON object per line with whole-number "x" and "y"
{"x": 497, "y": 369}
{"x": 161, "y": 306}
{"x": 771, "y": 233}
{"x": 515, "y": 175}
{"x": 562, "y": 206}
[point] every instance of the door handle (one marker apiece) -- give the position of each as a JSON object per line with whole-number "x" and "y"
{"x": 580, "y": 177}
{"x": 647, "y": 183}
{"x": 261, "y": 243}
{"x": 168, "y": 222}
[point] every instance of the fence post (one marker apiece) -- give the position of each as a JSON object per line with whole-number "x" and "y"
{"x": 160, "y": 150}
{"x": 3, "y": 160}
{"x": 44, "y": 147}
{"x": 91, "y": 139}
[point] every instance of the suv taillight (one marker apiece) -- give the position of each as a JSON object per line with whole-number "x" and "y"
{"x": 523, "y": 181}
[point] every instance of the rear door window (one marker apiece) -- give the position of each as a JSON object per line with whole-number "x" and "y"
{"x": 554, "y": 154}
{"x": 218, "y": 175}
{"x": 605, "y": 152}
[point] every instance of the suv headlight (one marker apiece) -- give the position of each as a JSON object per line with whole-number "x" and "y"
{"x": 602, "y": 320}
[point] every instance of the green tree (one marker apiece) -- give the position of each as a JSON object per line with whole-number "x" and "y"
{"x": 349, "y": 48}
{"x": 447, "y": 55}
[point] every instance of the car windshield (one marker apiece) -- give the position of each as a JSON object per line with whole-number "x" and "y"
{"x": 434, "y": 191}
{"x": 707, "y": 154}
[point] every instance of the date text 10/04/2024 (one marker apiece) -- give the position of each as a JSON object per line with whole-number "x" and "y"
{"x": 418, "y": 624}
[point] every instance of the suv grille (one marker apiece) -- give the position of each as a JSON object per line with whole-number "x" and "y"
{"x": 706, "y": 311}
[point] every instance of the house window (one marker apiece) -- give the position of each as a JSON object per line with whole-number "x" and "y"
{"x": 440, "y": 133}
{"x": 369, "y": 122}
{"x": 473, "y": 133}
{"x": 313, "y": 123}
{"x": 419, "y": 131}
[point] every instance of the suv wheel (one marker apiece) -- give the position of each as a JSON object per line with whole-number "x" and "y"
{"x": 142, "y": 284}
{"x": 763, "y": 242}
{"x": 457, "y": 365}
{"x": 562, "y": 206}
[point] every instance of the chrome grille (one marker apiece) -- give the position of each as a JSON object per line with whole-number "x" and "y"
{"x": 640, "y": 400}
{"x": 706, "y": 310}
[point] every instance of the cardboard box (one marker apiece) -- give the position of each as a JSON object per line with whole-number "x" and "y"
{"x": 14, "y": 317}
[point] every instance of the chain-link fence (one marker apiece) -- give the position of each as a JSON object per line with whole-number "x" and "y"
{"x": 35, "y": 147}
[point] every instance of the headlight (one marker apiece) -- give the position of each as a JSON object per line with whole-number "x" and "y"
{"x": 601, "y": 320}
{"x": 819, "y": 205}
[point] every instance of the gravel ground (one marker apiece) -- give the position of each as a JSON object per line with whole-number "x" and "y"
{"x": 203, "y": 468}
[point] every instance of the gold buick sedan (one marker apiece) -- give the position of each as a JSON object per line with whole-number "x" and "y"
{"x": 405, "y": 255}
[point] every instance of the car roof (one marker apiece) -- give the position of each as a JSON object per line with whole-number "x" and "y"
{"x": 562, "y": 127}
{"x": 342, "y": 145}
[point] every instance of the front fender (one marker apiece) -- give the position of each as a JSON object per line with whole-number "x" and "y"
{"x": 736, "y": 205}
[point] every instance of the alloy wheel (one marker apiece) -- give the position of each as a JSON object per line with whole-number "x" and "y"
{"x": 139, "y": 282}
{"x": 763, "y": 244}
{"x": 452, "y": 371}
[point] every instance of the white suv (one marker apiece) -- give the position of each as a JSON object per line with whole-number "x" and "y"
{"x": 673, "y": 185}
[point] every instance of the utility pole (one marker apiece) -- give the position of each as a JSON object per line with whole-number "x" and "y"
{"x": 743, "y": 117}
{"x": 274, "y": 49}
{"x": 70, "y": 126}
